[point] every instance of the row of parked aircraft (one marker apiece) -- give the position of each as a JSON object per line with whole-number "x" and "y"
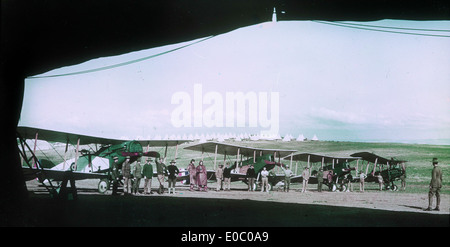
{"x": 95, "y": 163}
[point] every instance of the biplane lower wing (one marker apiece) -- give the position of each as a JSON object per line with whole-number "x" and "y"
{"x": 59, "y": 175}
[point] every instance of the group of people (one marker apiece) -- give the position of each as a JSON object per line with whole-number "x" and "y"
{"x": 198, "y": 176}
{"x": 133, "y": 174}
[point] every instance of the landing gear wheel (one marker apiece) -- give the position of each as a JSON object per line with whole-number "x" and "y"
{"x": 103, "y": 186}
{"x": 394, "y": 188}
{"x": 343, "y": 188}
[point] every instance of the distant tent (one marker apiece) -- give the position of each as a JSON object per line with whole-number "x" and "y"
{"x": 287, "y": 138}
{"x": 300, "y": 138}
{"x": 315, "y": 138}
{"x": 254, "y": 137}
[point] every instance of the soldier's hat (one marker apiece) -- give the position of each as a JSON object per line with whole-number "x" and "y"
{"x": 173, "y": 162}
{"x": 149, "y": 159}
{"x": 128, "y": 157}
{"x": 115, "y": 158}
{"x": 435, "y": 160}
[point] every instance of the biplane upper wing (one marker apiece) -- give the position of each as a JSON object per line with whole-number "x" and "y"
{"x": 63, "y": 137}
{"x": 230, "y": 149}
{"x": 371, "y": 157}
{"x": 318, "y": 158}
{"x": 66, "y": 137}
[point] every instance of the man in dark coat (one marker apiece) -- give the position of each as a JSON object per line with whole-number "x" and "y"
{"x": 435, "y": 186}
{"x": 227, "y": 176}
{"x": 251, "y": 176}
{"x": 173, "y": 171}
{"x": 147, "y": 172}
{"x": 115, "y": 175}
{"x": 320, "y": 180}
{"x": 126, "y": 172}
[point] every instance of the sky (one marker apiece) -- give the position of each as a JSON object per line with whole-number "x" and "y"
{"x": 338, "y": 83}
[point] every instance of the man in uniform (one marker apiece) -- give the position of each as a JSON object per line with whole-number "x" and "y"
{"x": 160, "y": 170}
{"x": 435, "y": 186}
{"x": 251, "y": 175}
{"x": 147, "y": 172}
{"x": 319, "y": 180}
{"x": 126, "y": 172}
{"x": 305, "y": 176}
{"x": 219, "y": 177}
{"x": 173, "y": 173}
{"x": 227, "y": 176}
{"x": 265, "y": 180}
{"x": 362, "y": 176}
{"x": 115, "y": 175}
{"x": 287, "y": 178}
{"x": 137, "y": 174}
{"x": 192, "y": 174}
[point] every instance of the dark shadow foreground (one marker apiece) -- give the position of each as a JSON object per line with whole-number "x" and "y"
{"x": 170, "y": 211}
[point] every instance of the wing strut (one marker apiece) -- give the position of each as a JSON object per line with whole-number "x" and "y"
{"x": 39, "y": 170}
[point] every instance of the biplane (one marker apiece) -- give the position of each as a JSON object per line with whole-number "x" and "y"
{"x": 339, "y": 167}
{"x": 87, "y": 164}
{"x": 258, "y": 157}
{"x": 390, "y": 169}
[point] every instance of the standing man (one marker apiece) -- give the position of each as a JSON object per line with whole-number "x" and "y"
{"x": 349, "y": 179}
{"x": 202, "y": 178}
{"x": 265, "y": 180}
{"x": 403, "y": 176}
{"x": 380, "y": 181}
{"x": 173, "y": 173}
{"x": 362, "y": 176}
{"x": 319, "y": 180}
{"x": 126, "y": 172}
{"x": 251, "y": 176}
{"x": 227, "y": 176}
{"x": 192, "y": 175}
{"x": 287, "y": 178}
{"x": 147, "y": 172}
{"x": 137, "y": 174}
{"x": 115, "y": 175}
{"x": 160, "y": 170}
{"x": 435, "y": 186}
{"x": 305, "y": 176}
{"x": 219, "y": 177}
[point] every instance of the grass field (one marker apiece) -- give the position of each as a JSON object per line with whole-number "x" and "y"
{"x": 419, "y": 156}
